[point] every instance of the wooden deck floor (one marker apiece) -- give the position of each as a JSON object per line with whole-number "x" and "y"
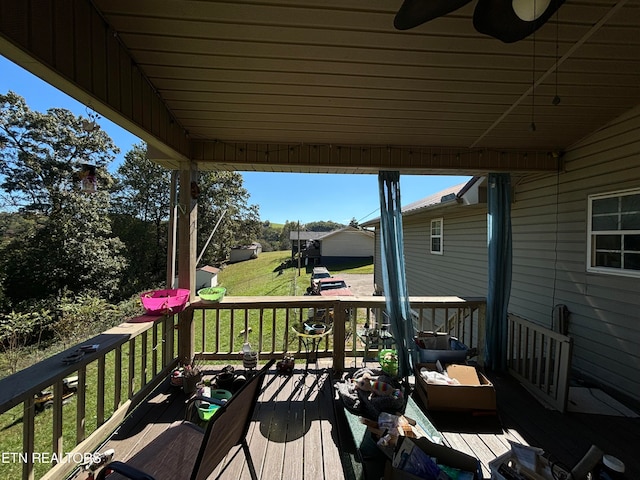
{"x": 292, "y": 434}
{"x": 521, "y": 418}
{"x": 297, "y": 433}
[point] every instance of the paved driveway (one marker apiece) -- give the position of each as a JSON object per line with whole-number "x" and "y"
{"x": 359, "y": 283}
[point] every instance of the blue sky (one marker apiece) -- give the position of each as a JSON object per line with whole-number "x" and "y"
{"x": 281, "y": 196}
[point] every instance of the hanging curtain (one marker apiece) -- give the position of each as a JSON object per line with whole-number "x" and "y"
{"x": 393, "y": 271}
{"x": 499, "y": 246}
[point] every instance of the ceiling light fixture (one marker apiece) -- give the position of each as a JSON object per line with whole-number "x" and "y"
{"x": 506, "y": 20}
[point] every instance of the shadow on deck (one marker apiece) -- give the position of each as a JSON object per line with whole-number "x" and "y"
{"x": 299, "y": 431}
{"x": 566, "y": 438}
{"x": 292, "y": 433}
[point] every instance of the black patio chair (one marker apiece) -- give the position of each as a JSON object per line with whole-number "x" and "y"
{"x": 185, "y": 451}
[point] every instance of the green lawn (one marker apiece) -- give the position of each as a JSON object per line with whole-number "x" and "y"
{"x": 263, "y": 275}
{"x": 267, "y": 275}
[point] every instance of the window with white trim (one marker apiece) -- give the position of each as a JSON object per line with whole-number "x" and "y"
{"x": 613, "y": 244}
{"x": 436, "y": 236}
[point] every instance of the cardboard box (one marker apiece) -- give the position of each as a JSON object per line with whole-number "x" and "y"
{"x": 443, "y": 455}
{"x": 477, "y": 395}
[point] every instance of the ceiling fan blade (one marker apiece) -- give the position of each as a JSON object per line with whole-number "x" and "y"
{"x": 512, "y": 20}
{"x": 416, "y": 12}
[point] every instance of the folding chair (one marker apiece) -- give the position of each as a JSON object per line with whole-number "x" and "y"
{"x": 185, "y": 451}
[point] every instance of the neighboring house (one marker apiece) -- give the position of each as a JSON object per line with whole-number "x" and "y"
{"x": 308, "y": 243}
{"x": 206, "y": 276}
{"x": 576, "y": 242}
{"x": 330, "y": 248}
{"x": 245, "y": 252}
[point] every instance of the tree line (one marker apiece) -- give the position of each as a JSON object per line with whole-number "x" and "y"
{"x": 77, "y": 242}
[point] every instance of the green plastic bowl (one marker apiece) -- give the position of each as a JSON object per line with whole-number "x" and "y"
{"x": 211, "y": 294}
{"x": 205, "y": 412}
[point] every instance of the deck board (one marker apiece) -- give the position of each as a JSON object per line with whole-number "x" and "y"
{"x": 298, "y": 430}
{"x": 312, "y": 448}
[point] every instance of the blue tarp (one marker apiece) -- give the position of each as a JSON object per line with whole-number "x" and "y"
{"x": 499, "y": 281}
{"x": 393, "y": 271}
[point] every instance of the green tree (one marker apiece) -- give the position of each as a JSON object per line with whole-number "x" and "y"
{"x": 269, "y": 237}
{"x": 73, "y": 247}
{"x": 17, "y": 330}
{"x": 287, "y": 228}
{"x": 14, "y": 227}
{"x": 223, "y": 198}
{"x": 327, "y": 226}
{"x": 140, "y": 210}
{"x": 43, "y": 153}
{"x": 73, "y": 250}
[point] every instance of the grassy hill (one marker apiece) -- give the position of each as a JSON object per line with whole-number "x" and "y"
{"x": 266, "y": 276}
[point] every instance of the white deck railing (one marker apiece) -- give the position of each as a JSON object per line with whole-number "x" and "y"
{"x": 541, "y": 359}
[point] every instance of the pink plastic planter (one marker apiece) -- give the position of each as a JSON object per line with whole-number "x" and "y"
{"x": 165, "y": 302}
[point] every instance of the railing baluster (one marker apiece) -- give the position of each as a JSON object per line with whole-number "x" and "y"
{"x": 531, "y": 344}
{"x": 165, "y": 340}
{"x": 260, "y": 329}
{"x": 132, "y": 368}
{"x": 540, "y": 372}
{"x": 216, "y": 348}
{"x": 117, "y": 391}
{"x": 100, "y": 393}
{"x": 143, "y": 360}
{"x": 548, "y": 361}
{"x": 56, "y": 446}
{"x": 246, "y": 324}
{"x": 232, "y": 323}
{"x": 285, "y": 341}
{"x": 154, "y": 357}
{"x": 81, "y": 404}
{"x": 273, "y": 330}
{"x": 28, "y": 437}
{"x": 203, "y": 329}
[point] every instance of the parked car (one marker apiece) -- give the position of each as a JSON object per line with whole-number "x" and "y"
{"x": 328, "y": 287}
{"x": 332, "y": 287}
{"x": 319, "y": 273}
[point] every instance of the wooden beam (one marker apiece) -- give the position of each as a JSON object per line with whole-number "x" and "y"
{"x": 212, "y": 155}
{"x": 187, "y": 245}
{"x": 69, "y": 45}
{"x": 187, "y": 227}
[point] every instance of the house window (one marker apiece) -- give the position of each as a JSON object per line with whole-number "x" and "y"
{"x": 436, "y": 236}
{"x": 613, "y": 244}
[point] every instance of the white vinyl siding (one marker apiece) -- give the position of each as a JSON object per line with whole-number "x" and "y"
{"x": 348, "y": 243}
